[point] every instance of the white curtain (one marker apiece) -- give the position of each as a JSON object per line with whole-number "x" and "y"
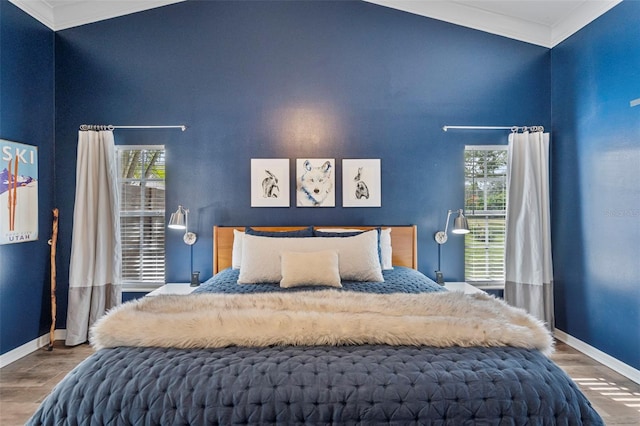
{"x": 94, "y": 272}
{"x": 528, "y": 267}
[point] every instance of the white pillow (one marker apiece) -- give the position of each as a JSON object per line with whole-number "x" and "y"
{"x": 358, "y": 256}
{"x": 312, "y": 268}
{"x": 386, "y": 252}
{"x": 236, "y": 253}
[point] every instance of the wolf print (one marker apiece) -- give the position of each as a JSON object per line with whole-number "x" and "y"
{"x": 270, "y": 187}
{"x": 315, "y": 184}
{"x": 362, "y": 191}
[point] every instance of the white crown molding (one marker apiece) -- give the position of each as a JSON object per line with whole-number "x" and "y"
{"x": 589, "y": 11}
{"x": 72, "y": 14}
{"x": 40, "y": 10}
{"x": 61, "y": 15}
{"x": 475, "y": 18}
{"x": 504, "y": 25}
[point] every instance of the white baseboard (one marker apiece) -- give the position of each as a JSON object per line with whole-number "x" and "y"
{"x": 29, "y": 347}
{"x": 607, "y": 360}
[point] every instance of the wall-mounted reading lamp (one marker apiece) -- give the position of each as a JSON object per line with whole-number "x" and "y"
{"x": 460, "y": 226}
{"x": 180, "y": 220}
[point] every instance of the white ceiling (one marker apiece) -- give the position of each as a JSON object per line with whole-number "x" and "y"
{"x": 542, "y": 22}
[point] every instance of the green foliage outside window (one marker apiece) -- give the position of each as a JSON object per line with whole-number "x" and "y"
{"x": 142, "y": 215}
{"x": 485, "y": 207}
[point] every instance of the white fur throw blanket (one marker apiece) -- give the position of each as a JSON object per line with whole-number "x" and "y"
{"x": 329, "y": 317}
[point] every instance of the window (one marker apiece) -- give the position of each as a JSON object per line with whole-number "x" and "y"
{"x": 142, "y": 215}
{"x": 485, "y": 206}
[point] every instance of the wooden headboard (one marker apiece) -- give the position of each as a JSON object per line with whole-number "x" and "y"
{"x": 403, "y": 243}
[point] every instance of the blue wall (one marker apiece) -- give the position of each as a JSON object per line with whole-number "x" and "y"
{"x": 292, "y": 80}
{"x": 596, "y": 195}
{"x": 26, "y": 116}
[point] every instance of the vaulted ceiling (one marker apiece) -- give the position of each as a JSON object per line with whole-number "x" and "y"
{"x": 542, "y": 22}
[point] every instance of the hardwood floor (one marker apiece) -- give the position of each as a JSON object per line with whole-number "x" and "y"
{"x": 614, "y": 397}
{"x": 25, "y": 383}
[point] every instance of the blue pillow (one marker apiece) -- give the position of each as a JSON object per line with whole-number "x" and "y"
{"x": 317, "y": 233}
{"x": 307, "y": 232}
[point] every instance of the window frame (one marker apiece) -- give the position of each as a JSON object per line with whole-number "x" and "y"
{"x": 129, "y": 285}
{"x": 494, "y": 276}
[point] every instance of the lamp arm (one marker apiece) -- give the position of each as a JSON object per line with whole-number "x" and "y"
{"x": 189, "y": 237}
{"x": 441, "y": 236}
{"x": 446, "y": 226}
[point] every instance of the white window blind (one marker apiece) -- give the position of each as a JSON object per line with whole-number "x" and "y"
{"x": 485, "y": 208}
{"x": 142, "y": 215}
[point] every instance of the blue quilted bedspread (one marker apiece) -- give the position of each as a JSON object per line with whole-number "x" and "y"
{"x": 318, "y": 385}
{"x": 397, "y": 280}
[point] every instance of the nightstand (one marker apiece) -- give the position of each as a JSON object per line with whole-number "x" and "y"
{"x": 173, "y": 288}
{"x": 462, "y": 286}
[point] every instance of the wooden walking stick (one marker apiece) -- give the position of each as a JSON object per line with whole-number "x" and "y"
{"x": 52, "y": 242}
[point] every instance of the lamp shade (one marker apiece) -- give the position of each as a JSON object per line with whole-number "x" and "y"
{"x": 178, "y": 219}
{"x": 460, "y": 224}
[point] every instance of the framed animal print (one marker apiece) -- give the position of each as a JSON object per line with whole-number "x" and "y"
{"x": 270, "y": 182}
{"x": 361, "y": 183}
{"x": 315, "y": 182}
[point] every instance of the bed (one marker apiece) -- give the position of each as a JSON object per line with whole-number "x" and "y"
{"x": 401, "y": 350}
